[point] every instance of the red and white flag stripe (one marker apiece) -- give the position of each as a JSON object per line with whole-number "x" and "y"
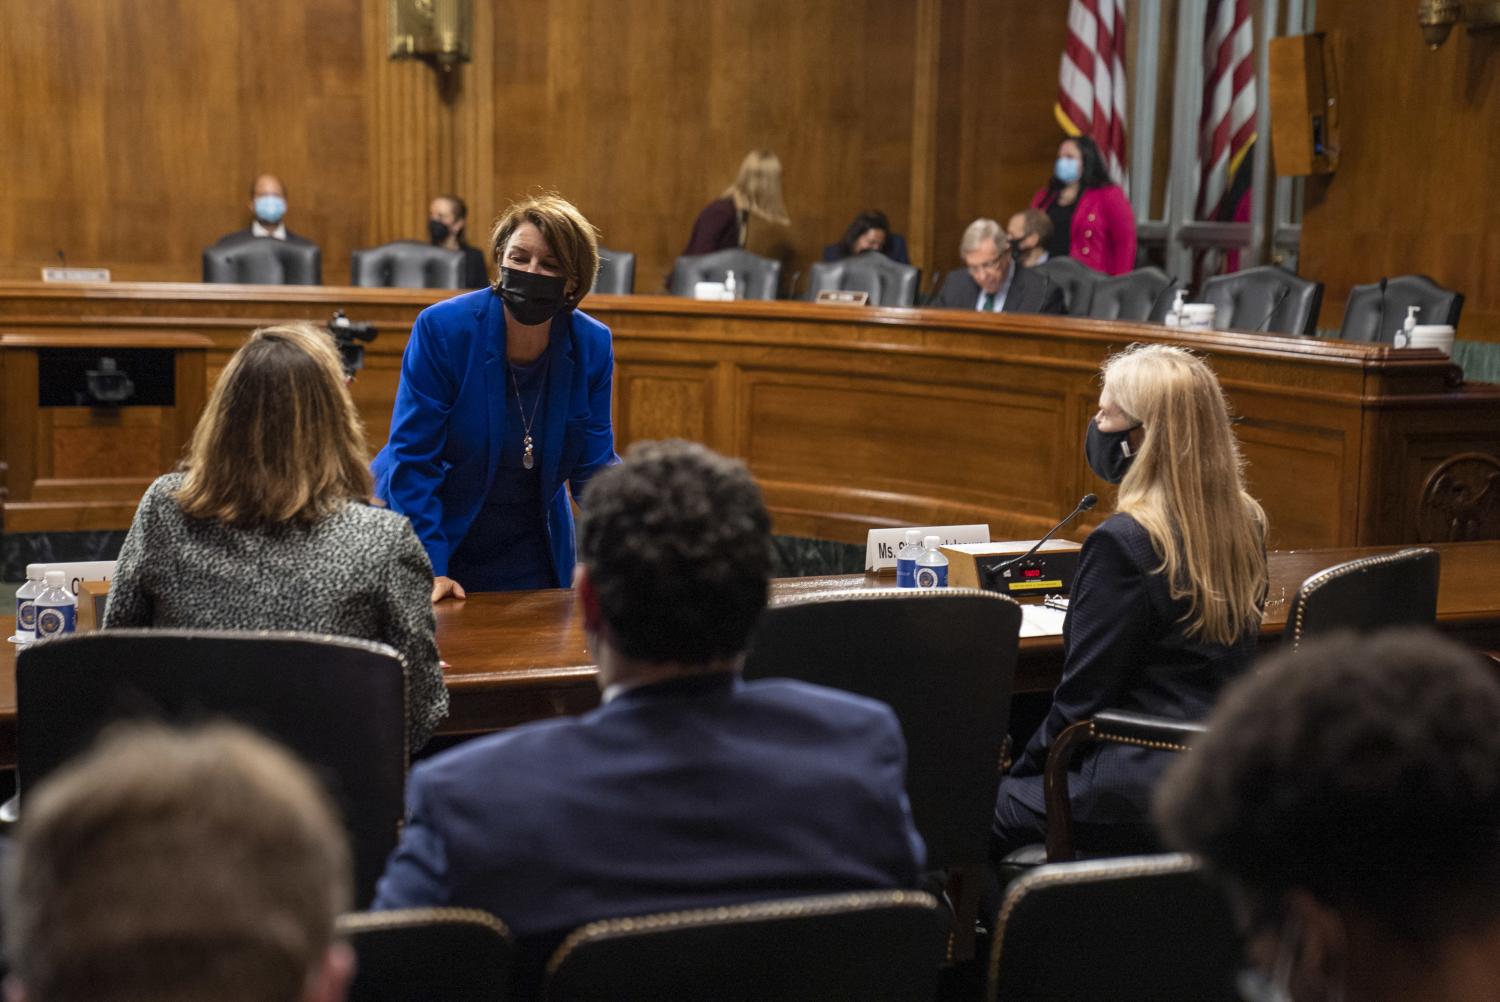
{"x": 1091, "y": 83}
{"x": 1228, "y": 120}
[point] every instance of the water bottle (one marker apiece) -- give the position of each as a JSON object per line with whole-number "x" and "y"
{"x": 932, "y": 566}
{"x": 56, "y": 608}
{"x": 25, "y": 610}
{"x": 731, "y": 287}
{"x": 906, "y": 559}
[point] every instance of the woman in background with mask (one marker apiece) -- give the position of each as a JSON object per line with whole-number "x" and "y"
{"x": 1166, "y": 605}
{"x": 1092, "y": 221}
{"x": 504, "y": 408}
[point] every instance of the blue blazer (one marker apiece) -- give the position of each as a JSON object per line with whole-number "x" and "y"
{"x": 696, "y": 792}
{"x": 448, "y": 423}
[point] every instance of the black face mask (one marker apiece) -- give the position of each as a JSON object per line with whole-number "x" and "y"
{"x": 533, "y": 298}
{"x": 1107, "y": 453}
{"x": 437, "y": 230}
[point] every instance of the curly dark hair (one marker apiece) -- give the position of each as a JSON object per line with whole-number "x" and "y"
{"x": 678, "y": 544}
{"x": 1365, "y": 771}
{"x": 871, "y": 219}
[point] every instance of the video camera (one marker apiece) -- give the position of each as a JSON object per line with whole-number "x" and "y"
{"x": 351, "y": 339}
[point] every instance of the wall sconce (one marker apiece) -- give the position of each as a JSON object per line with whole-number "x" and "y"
{"x": 438, "y": 32}
{"x": 1437, "y": 17}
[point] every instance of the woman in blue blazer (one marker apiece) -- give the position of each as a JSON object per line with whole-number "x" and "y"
{"x": 503, "y": 405}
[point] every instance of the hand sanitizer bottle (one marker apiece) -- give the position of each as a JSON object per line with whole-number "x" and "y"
{"x": 1174, "y": 314}
{"x": 731, "y": 289}
{"x": 56, "y": 608}
{"x": 1410, "y": 325}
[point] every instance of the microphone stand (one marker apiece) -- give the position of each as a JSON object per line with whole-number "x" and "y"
{"x": 1084, "y": 504}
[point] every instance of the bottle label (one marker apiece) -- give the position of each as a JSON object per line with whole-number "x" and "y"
{"x": 932, "y": 576}
{"x": 25, "y": 616}
{"x": 55, "y": 620}
{"x": 906, "y": 572}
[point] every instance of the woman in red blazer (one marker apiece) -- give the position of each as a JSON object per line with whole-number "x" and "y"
{"x": 1092, "y": 221}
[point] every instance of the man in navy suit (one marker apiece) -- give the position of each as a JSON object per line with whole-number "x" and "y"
{"x": 689, "y": 787}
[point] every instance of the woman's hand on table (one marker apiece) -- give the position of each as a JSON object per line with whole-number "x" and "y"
{"x": 445, "y": 587}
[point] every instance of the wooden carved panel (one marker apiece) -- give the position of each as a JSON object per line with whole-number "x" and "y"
{"x": 1461, "y": 500}
{"x": 656, "y": 400}
{"x": 82, "y": 443}
{"x": 1293, "y": 472}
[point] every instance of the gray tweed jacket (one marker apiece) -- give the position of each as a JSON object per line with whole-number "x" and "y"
{"x": 361, "y": 572}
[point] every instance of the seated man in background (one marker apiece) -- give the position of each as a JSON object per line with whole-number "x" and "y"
{"x": 1349, "y": 795}
{"x": 175, "y": 866}
{"x": 267, "y": 213}
{"x": 689, "y": 787}
{"x": 1027, "y": 231}
{"x": 447, "y": 219}
{"x": 990, "y": 282}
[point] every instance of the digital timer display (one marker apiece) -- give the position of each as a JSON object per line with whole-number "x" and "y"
{"x": 1032, "y": 572}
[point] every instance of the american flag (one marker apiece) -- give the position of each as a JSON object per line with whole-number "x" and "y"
{"x": 1091, "y": 83}
{"x": 1228, "y": 122}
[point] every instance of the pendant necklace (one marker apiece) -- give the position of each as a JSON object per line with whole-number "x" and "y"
{"x": 528, "y": 458}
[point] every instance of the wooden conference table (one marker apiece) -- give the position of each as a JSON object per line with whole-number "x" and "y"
{"x": 520, "y": 656}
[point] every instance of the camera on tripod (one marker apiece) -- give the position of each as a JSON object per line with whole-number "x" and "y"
{"x": 351, "y": 339}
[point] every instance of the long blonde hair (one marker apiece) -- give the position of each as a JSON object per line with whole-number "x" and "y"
{"x": 280, "y": 439}
{"x": 757, "y": 189}
{"x": 1186, "y": 487}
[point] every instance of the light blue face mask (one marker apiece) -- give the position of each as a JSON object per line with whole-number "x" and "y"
{"x": 270, "y": 208}
{"x": 1068, "y": 170}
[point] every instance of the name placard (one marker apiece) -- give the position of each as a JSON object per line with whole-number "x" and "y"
{"x": 848, "y": 297}
{"x": 75, "y": 274}
{"x": 881, "y": 544}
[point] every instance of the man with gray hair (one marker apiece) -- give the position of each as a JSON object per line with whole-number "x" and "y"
{"x": 991, "y": 283}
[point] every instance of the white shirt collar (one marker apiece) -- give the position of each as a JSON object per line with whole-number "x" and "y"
{"x": 257, "y": 229}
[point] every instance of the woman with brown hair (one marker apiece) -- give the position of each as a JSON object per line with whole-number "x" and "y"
{"x": 268, "y": 526}
{"x": 503, "y": 411}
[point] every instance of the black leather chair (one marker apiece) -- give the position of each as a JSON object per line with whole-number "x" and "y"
{"x": 407, "y": 264}
{"x": 871, "y": 946}
{"x": 263, "y": 261}
{"x": 888, "y": 283}
{"x": 616, "y": 273}
{"x": 1147, "y": 928}
{"x": 425, "y": 954}
{"x": 755, "y": 277}
{"x": 1371, "y": 593}
{"x": 1076, "y": 280}
{"x": 1142, "y": 295}
{"x": 339, "y": 704}
{"x": 1265, "y": 299}
{"x": 1368, "y": 317}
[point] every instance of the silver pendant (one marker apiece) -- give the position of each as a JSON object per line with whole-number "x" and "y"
{"x": 527, "y": 460}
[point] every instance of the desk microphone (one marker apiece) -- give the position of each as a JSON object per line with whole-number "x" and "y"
{"x": 1084, "y": 504}
{"x": 791, "y": 292}
{"x": 937, "y": 284}
{"x": 1260, "y": 328}
{"x": 62, "y": 257}
{"x": 1159, "y": 298}
{"x": 1380, "y": 310}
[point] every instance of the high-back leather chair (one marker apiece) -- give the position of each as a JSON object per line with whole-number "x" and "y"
{"x": 1370, "y": 317}
{"x": 1142, "y": 928}
{"x": 1142, "y": 295}
{"x": 1264, "y": 299}
{"x": 421, "y": 954}
{"x": 755, "y": 277}
{"x": 263, "y": 261}
{"x": 616, "y": 273}
{"x": 339, "y": 704}
{"x": 874, "y": 945}
{"x": 888, "y": 283}
{"x": 407, "y": 264}
{"x": 1371, "y": 593}
{"x": 1076, "y": 280}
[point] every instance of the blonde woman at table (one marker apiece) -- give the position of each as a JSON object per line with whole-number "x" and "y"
{"x": 268, "y": 526}
{"x": 1166, "y": 607}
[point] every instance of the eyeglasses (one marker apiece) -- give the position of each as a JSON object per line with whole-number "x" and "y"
{"x": 991, "y": 266}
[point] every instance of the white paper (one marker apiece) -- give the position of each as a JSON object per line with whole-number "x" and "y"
{"x": 1040, "y": 621}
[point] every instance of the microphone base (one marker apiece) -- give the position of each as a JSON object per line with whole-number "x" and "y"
{"x": 1049, "y": 571}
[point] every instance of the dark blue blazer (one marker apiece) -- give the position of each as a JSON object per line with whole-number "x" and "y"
{"x": 697, "y": 792}
{"x": 1125, "y": 648}
{"x": 448, "y": 423}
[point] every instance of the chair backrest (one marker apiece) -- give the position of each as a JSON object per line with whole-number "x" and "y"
{"x": 616, "y": 273}
{"x": 1371, "y": 593}
{"x": 1368, "y": 318}
{"x": 417, "y": 954}
{"x": 870, "y": 946}
{"x": 407, "y": 264}
{"x": 263, "y": 261}
{"x": 756, "y": 277}
{"x": 338, "y": 703}
{"x": 888, "y": 283}
{"x": 944, "y": 660}
{"x": 1076, "y": 280}
{"x": 1266, "y": 299}
{"x": 1141, "y": 295}
{"x": 1131, "y": 928}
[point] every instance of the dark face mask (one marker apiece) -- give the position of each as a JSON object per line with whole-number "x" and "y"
{"x": 1016, "y": 250}
{"x": 533, "y": 298}
{"x": 1106, "y": 453}
{"x": 437, "y": 230}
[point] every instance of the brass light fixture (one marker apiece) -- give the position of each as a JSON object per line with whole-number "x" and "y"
{"x": 438, "y": 32}
{"x": 1437, "y": 17}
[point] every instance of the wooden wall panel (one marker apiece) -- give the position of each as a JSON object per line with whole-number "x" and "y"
{"x": 1418, "y": 162}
